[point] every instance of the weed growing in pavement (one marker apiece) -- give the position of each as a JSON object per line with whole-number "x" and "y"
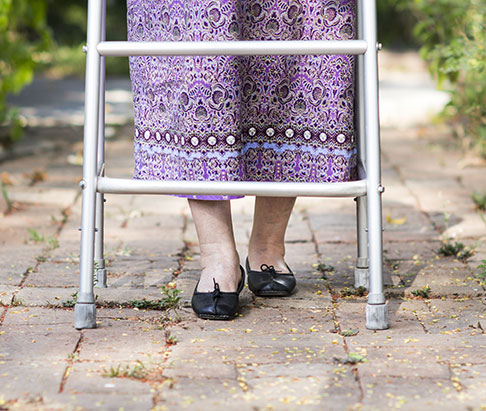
{"x": 482, "y": 275}
{"x": 479, "y": 199}
{"x": 35, "y": 236}
{"x": 171, "y": 296}
{"x": 354, "y": 292}
{"x": 349, "y": 333}
{"x": 352, "y": 359}
{"x": 73, "y": 356}
{"x": 170, "y": 301}
{"x": 71, "y": 302}
{"x": 170, "y": 339}
{"x": 147, "y": 304}
{"x": 53, "y": 243}
{"x": 16, "y": 302}
{"x": 424, "y": 292}
{"x": 324, "y": 269}
{"x": 136, "y": 371}
{"x": 7, "y": 199}
{"x": 458, "y": 250}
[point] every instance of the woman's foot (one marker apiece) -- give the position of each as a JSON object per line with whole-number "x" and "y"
{"x": 268, "y": 274}
{"x": 266, "y": 281}
{"x": 222, "y": 279}
{"x": 217, "y": 304}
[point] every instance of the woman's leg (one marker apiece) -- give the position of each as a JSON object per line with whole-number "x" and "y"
{"x": 267, "y": 240}
{"x": 219, "y": 258}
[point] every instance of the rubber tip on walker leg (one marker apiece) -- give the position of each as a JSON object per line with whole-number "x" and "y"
{"x": 362, "y": 278}
{"x": 101, "y": 278}
{"x": 377, "y": 317}
{"x": 84, "y": 316}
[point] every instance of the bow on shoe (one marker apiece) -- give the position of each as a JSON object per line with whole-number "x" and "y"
{"x": 268, "y": 269}
{"x": 215, "y": 294}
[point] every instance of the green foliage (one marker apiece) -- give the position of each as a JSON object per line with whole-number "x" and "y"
{"x": 479, "y": 200}
{"x": 453, "y": 38}
{"x": 68, "y": 22}
{"x": 171, "y": 295}
{"x": 6, "y": 198}
{"x": 349, "y": 333}
{"x": 424, "y": 292}
{"x": 23, "y": 36}
{"x": 353, "y": 358}
{"x": 395, "y": 24}
{"x": 71, "y": 302}
{"x": 147, "y": 304}
{"x": 136, "y": 371}
{"x": 354, "y": 292}
{"x": 35, "y": 236}
{"x": 456, "y": 249}
{"x": 482, "y": 275}
{"x": 325, "y": 269}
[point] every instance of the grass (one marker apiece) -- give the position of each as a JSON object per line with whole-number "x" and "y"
{"x": 136, "y": 371}
{"x": 423, "y": 292}
{"x": 456, "y": 249}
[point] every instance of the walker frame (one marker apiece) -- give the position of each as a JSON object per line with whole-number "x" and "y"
{"x": 367, "y": 190}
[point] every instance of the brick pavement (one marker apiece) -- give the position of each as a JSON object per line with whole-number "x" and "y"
{"x": 309, "y": 351}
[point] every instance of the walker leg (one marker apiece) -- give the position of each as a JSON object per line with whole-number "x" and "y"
{"x": 85, "y": 309}
{"x": 376, "y": 310}
{"x": 361, "y": 272}
{"x": 377, "y": 317}
{"x": 99, "y": 260}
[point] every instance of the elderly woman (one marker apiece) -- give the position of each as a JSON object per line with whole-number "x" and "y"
{"x": 242, "y": 118}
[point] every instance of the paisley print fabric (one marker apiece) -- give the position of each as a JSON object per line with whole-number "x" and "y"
{"x": 243, "y": 118}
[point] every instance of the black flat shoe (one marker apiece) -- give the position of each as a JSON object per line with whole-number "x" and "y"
{"x": 217, "y": 305}
{"x": 270, "y": 283}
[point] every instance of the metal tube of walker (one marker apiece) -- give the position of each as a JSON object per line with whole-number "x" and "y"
{"x": 372, "y": 132}
{"x": 231, "y": 48}
{"x": 100, "y": 269}
{"x": 88, "y": 183}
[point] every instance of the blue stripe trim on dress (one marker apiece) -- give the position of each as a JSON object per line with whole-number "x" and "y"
{"x": 151, "y": 150}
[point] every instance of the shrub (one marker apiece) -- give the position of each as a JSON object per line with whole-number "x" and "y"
{"x": 453, "y": 37}
{"x": 23, "y": 35}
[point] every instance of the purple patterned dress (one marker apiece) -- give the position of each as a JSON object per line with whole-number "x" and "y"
{"x": 243, "y": 118}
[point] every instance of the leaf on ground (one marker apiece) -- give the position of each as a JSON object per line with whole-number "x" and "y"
{"x": 395, "y": 221}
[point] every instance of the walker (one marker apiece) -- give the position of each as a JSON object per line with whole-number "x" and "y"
{"x": 367, "y": 190}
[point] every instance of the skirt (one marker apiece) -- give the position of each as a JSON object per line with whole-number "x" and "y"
{"x": 243, "y": 118}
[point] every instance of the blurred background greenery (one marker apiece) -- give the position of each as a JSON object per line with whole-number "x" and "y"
{"x": 47, "y": 36}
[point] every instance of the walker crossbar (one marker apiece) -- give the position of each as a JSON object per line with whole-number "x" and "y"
{"x": 235, "y": 48}
{"x": 233, "y": 188}
{"x": 368, "y": 190}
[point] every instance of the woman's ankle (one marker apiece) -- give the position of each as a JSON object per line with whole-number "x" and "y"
{"x": 271, "y": 256}
{"x": 223, "y": 269}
